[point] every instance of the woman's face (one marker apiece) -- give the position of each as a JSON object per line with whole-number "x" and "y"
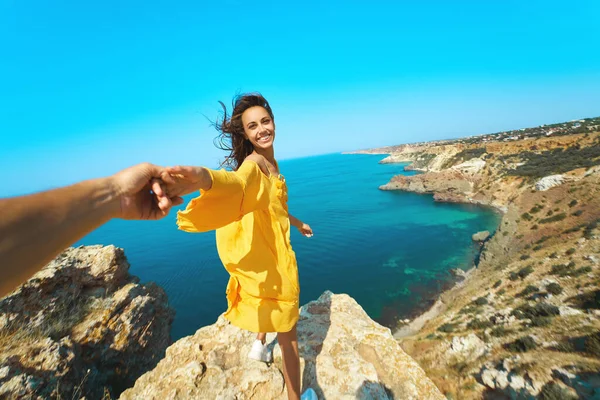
{"x": 259, "y": 127}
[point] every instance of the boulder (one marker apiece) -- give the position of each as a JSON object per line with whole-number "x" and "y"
{"x": 469, "y": 347}
{"x": 480, "y": 236}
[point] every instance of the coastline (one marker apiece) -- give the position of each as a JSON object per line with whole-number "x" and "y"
{"x": 417, "y": 323}
{"x": 426, "y": 314}
{"x": 532, "y": 296}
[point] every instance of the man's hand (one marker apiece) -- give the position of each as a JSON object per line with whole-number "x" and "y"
{"x": 142, "y": 192}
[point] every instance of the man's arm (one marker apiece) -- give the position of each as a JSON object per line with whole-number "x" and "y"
{"x": 36, "y": 228}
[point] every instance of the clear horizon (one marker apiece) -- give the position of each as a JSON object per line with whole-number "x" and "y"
{"x": 88, "y": 89}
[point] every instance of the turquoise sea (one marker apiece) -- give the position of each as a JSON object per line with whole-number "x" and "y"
{"x": 391, "y": 251}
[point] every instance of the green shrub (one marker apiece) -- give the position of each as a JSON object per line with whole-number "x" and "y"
{"x": 479, "y": 324}
{"x": 534, "y": 227}
{"x": 526, "y": 216}
{"x": 554, "y": 391}
{"x": 556, "y": 161}
{"x": 470, "y": 310}
{"x": 540, "y": 321}
{"x": 587, "y": 233}
{"x": 575, "y": 228}
{"x": 513, "y": 276}
{"x": 554, "y": 255}
{"x": 564, "y": 270}
{"x": 447, "y": 328}
{"x": 592, "y": 344}
{"x": 468, "y": 154}
{"x": 538, "y": 247}
{"x": 524, "y": 257}
{"x": 536, "y": 208}
{"x": 481, "y": 301}
{"x": 501, "y": 292}
{"x": 572, "y": 250}
{"x": 522, "y": 345}
{"x": 530, "y": 289}
{"x": 554, "y": 288}
{"x": 543, "y": 239}
{"x": 527, "y": 311}
{"x": 554, "y": 218}
{"x": 577, "y": 213}
{"x": 573, "y": 203}
{"x": 497, "y": 284}
{"x": 565, "y": 346}
{"x": 588, "y": 300}
{"x": 581, "y": 271}
{"x": 523, "y": 272}
{"x": 500, "y": 331}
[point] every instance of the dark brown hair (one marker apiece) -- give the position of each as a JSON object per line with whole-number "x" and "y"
{"x": 231, "y": 130}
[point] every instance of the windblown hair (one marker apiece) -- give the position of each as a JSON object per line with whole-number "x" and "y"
{"x": 231, "y": 130}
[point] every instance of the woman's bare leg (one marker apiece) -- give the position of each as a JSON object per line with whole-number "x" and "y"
{"x": 262, "y": 336}
{"x": 288, "y": 341}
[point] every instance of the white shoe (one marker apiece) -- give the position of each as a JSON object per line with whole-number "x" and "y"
{"x": 260, "y": 352}
{"x": 309, "y": 394}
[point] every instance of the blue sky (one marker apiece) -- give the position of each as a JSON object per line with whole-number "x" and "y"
{"x": 87, "y": 89}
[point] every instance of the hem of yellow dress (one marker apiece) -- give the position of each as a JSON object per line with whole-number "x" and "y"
{"x": 284, "y": 329}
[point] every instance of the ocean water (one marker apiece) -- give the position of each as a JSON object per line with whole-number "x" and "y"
{"x": 389, "y": 250}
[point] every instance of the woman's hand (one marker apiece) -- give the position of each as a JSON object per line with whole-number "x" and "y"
{"x": 182, "y": 180}
{"x": 305, "y": 230}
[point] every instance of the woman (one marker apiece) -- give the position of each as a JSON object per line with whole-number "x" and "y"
{"x": 247, "y": 207}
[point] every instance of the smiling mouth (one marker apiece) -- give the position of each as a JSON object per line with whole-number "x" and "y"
{"x": 265, "y": 138}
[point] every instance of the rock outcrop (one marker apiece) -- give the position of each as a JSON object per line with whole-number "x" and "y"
{"x": 344, "y": 355}
{"x": 480, "y": 236}
{"x": 81, "y": 327}
{"x": 548, "y": 182}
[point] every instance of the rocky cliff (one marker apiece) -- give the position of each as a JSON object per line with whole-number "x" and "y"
{"x": 84, "y": 328}
{"x": 344, "y": 355}
{"x": 81, "y": 327}
{"x": 526, "y": 322}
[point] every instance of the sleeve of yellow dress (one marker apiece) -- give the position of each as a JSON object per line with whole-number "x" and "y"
{"x": 232, "y": 195}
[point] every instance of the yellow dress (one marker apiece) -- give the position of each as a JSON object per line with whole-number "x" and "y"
{"x": 250, "y": 214}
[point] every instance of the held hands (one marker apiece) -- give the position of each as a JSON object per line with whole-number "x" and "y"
{"x": 142, "y": 193}
{"x": 147, "y": 191}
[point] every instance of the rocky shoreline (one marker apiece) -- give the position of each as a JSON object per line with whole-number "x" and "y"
{"x": 534, "y": 298}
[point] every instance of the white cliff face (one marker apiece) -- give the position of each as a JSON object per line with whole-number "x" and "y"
{"x": 472, "y": 166}
{"x": 548, "y": 182}
{"x": 81, "y": 327}
{"x": 344, "y": 355}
